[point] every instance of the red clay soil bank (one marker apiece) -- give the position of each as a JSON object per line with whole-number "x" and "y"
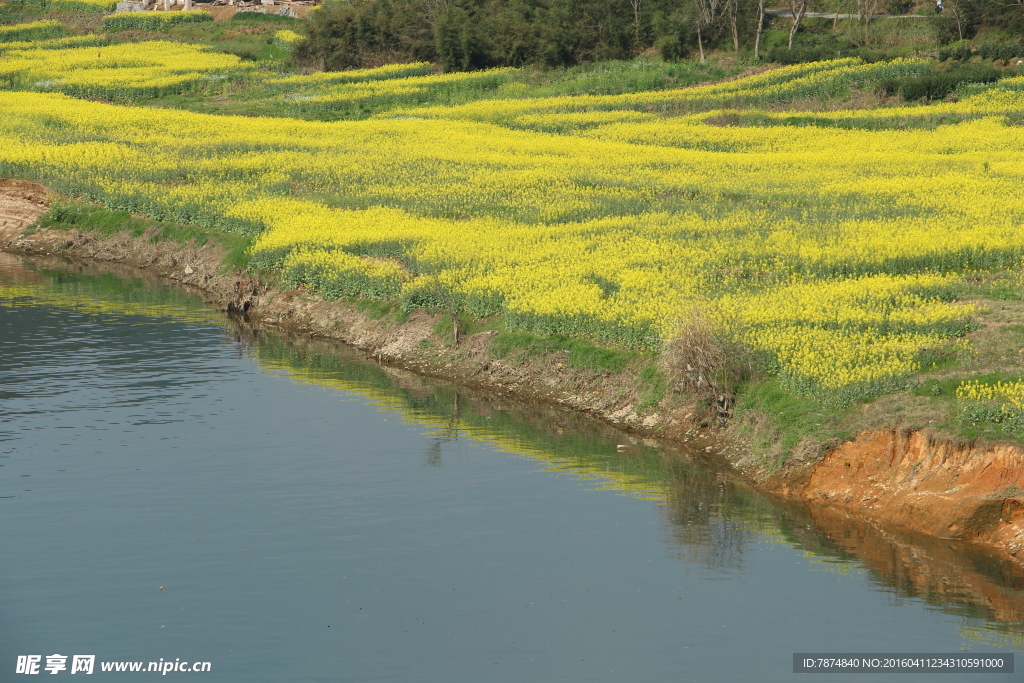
{"x": 965, "y": 492}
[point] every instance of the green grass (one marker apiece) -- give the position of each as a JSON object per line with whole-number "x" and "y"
{"x": 87, "y": 217}
{"x": 261, "y": 99}
{"x": 445, "y": 326}
{"x": 790, "y": 420}
{"x": 615, "y": 77}
{"x": 373, "y": 308}
{"x": 579, "y": 354}
{"x": 653, "y": 385}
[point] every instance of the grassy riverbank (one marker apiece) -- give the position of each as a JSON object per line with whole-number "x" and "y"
{"x": 798, "y": 254}
{"x": 632, "y": 387}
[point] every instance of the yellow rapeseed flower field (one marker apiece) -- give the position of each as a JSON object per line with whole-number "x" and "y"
{"x": 832, "y": 251}
{"x": 125, "y": 71}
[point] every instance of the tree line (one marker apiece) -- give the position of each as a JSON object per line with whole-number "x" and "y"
{"x": 475, "y": 34}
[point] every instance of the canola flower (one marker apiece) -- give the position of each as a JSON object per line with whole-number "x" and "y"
{"x": 55, "y": 43}
{"x": 830, "y": 251}
{"x": 848, "y": 337}
{"x": 393, "y": 90}
{"x": 118, "y": 71}
{"x": 776, "y": 85}
{"x": 1010, "y": 393}
{"x": 1001, "y": 403}
{"x": 286, "y": 40}
{"x": 153, "y": 21}
{"x": 36, "y": 30}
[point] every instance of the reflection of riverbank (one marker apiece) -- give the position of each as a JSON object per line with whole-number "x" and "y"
{"x": 963, "y": 578}
{"x": 712, "y": 519}
{"x": 563, "y": 441}
{"x": 967, "y": 491}
{"x": 95, "y": 288}
{"x": 14, "y": 272}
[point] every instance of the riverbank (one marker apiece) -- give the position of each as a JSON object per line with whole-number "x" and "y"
{"x": 965, "y": 490}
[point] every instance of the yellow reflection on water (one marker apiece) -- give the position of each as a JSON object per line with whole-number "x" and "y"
{"x": 640, "y": 484}
{"x": 982, "y": 633}
{"x": 23, "y": 286}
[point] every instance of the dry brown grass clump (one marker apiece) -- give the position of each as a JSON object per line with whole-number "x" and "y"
{"x": 697, "y": 361}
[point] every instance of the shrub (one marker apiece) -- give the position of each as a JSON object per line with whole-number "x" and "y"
{"x": 956, "y": 53}
{"x": 698, "y": 361}
{"x": 1000, "y": 52}
{"x": 817, "y": 48}
{"x": 937, "y": 85}
{"x": 694, "y": 358}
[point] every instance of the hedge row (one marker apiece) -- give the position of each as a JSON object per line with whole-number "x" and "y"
{"x": 939, "y": 84}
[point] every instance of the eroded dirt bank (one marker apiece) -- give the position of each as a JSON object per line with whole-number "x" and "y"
{"x": 961, "y": 491}
{"x": 965, "y": 492}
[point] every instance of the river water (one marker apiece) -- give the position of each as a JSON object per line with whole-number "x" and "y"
{"x": 178, "y": 486}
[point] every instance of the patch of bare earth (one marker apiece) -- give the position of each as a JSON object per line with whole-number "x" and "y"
{"x": 21, "y": 204}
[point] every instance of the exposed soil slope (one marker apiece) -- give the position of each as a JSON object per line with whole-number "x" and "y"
{"x": 21, "y": 203}
{"x": 961, "y": 491}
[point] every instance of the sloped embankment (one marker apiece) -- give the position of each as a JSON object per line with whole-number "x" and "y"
{"x": 964, "y": 491}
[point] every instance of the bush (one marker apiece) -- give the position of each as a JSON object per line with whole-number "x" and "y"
{"x": 956, "y": 53}
{"x": 817, "y": 48}
{"x": 366, "y": 34}
{"x": 937, "y": 85}
{"x": 1000, "y": 52}
{"x": 472, "y": 34}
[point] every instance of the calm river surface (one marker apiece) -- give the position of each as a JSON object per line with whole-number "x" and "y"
{"x": 312, "y": 516}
